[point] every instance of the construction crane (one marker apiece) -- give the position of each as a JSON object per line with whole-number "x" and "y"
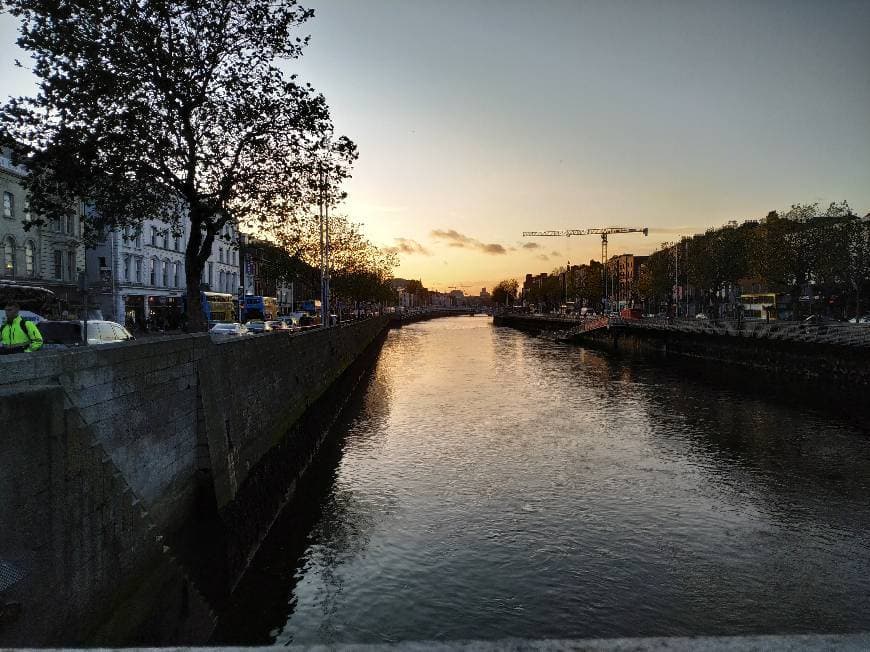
{"x": 602, "y": 232}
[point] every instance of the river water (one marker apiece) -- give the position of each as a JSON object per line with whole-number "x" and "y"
{"x": 488, "y": 484}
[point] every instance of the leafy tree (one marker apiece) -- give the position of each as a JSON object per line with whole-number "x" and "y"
{"x": 505, "y": 293}
{"x": 656, "y": 281}
{"x": 175, "y": 110}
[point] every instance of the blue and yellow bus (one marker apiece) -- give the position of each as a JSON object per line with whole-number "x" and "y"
{"x": 257, "y": 307}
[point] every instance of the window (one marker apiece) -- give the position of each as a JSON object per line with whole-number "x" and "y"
{"x": 221, "y": 254}
{"x": 165, "y": 273}
{"x": 126, "y": 268}
{"x": 177, "y": 242}
{"x": 221, "y": 281}
{"x": 27, "y": 216}
{"x": 9, "y": 257}
{"x": 166, "y": 239}
{"x": 153, "y": 236}
{"x": 235, "y": 285}
{"x": 29, "y": 258}
{"x": 210, "y": 273}
{"x": 177, "y": 275}
{"x": 154, "y": 271}
{"x": 8, "y": 205}
{"x": 102, "y": 262}
{"x": 138, "y": 241}
{"x": 58, "y": 265}
{"x": 235, "y": 259}
{"x": 138, "y": 267}
{"x": 71, "y": 265}
{"x": 70, "y": 225}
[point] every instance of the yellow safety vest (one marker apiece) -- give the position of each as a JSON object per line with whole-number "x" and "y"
{"x": 21, "y": 333}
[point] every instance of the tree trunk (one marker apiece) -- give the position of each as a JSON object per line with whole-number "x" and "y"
{"x": 194, "y": 263}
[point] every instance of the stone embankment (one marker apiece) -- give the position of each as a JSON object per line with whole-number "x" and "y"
{"x": 398, "y": 319}
{"x": 836, "y": 356}
{"x": 110, "y": 452}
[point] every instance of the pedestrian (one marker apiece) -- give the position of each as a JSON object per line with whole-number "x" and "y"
{"x": 19, "y": 335}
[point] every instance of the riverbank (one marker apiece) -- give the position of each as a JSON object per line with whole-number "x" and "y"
{"x": 810, "y": 361}
{"x": 123, "y": 448}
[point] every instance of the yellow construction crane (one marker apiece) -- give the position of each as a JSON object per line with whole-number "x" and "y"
{"x": 602, "y": 232}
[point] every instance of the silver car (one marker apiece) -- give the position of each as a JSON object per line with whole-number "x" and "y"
{"x": 229, "y": 329}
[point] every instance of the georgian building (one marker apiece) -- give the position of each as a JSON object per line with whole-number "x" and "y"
{"x": 50, "y": 255}
{"x": 138, "y": 275}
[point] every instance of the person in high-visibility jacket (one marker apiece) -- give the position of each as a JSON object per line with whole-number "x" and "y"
{"x": 18, "y": 334}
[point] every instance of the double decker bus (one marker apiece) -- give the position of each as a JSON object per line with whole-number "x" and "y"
{"x": 759, "y": 306}
{"x": 218, "y": 306}
{"x": 257, "y": 307}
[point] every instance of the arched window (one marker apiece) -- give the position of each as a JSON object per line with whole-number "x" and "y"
{"x": 9, "y": 257}
{"x": 154, "y": 265}
{"x": 166, "y": 273}
{"x": 30, "y": 258}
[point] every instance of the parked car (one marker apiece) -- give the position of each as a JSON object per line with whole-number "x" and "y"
{"x": 819, "y": 319}
{"x": 70, "y": 334}
{"x": 700, "y": 315}
{"x": 278, "y": 325}
{"x": 865, "y": 319}
{"x": 258, "y": 326}
{"x": 229, "y": 329}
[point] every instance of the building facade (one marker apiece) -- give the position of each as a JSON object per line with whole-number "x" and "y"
{"x": 49, "y": 255}
{"x": 623, "y": 273}
{"x": 138, "y": 275}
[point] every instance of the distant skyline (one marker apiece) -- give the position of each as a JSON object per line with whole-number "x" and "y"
{"x": 479, "y": 120}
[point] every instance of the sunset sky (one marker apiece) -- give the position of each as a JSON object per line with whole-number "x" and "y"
{"x": 477, "y": 120}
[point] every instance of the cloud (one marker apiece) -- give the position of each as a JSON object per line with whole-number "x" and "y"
{"x": 555, "y": 254}
{"x": 409, "y": 247}
{"x": 496, "y": 249}
{"x": 461, "y": 241}
{"x": 531, "y": 245}
{"x": 542, "y": 257}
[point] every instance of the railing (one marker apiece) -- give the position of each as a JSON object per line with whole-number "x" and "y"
{"x": 837, "y": 333}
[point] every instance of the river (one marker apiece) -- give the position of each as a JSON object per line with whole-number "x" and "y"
{"x": 488, "y": 484}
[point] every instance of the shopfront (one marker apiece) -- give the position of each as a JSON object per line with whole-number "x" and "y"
{"x": 164, "y": 313}
{"x": 134, "y": 311}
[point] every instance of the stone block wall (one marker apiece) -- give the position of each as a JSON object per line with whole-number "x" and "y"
{"x": 83, "y": 561}
{"x": 138, "y": 401}
{"x": 108, "y": 450}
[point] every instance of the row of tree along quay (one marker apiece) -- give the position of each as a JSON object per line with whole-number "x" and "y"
{"x": 807, "y": 259}
{"x": 183, "y": 111}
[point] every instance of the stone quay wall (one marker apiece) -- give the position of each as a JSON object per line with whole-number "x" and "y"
{"x": 110, "y": 450}
{"x": 840, "y": 369}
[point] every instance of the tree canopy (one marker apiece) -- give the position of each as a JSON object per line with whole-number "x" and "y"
{"x": 176, "y": 110}
{"x": 786, "y": 252}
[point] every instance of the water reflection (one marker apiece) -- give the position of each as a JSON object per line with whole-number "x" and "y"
{"x": 492, "y": 484}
